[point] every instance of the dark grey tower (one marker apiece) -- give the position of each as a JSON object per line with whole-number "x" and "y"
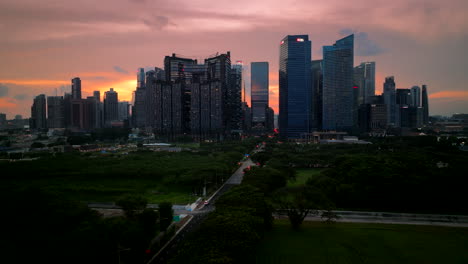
{"x": 38, "y": 113}
{"x": 389, "y": 94}
{"x": 425, "y": 105}
{"x": 76, "y": 88}
{"x": 111, "y": 106}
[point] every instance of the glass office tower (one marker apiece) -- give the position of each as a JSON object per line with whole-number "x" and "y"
{"x": 259, "y": 90}
{"x": 337, "y": 108}
{"x": 295, "y": 86}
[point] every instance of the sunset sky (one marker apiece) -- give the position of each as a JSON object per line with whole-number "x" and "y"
{"x": 44, "y": 44}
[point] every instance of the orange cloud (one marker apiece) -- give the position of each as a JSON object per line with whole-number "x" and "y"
{"x": 6, "y": 103}
{"x": 450, "y": 94}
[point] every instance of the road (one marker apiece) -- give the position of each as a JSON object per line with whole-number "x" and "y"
{"x": 198, "y": 215}
{"x": 393, "y": 218}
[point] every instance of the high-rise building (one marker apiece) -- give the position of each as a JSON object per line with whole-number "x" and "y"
{"x": 295, "y": 86}
{"x": 317, "y": 88}
{"x": 364, "y": 79}
{"x": 415, "y": 96}
{"x": 403, "y": 97}
{"x": 259, "y": 92}
{"x": 55, "y": 112}
{"x": 338, "y": 72}
{"x": 38, "y": 113}
{"x": 234, "y": 94}
{"x": 425, "y": 105}
{"x": 218, "y": 76}
{"x": 97, "y": 95}
{"x": 246, "y": 117}
{"x": 124, "y": 110}
{"x": 141, "y": 78}
{"x": 76, "y": 88}
{"x": 67, "y": 97}
{"x": 2, "y": 119}
{"x": 373, "y": 115}
{"x": 111, "y": 107}
{"x": 389, "y": 94}
{"x": 99, "y": 110}
{"x": 403, "y": 102}
{"x": 270, "y": 119}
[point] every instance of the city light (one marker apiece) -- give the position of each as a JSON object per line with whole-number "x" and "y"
{"x": 300, "y": 40}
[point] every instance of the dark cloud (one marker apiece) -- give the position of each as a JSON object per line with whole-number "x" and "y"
{"x": 21, "y": 97}
{"x": 119, "y": 69}
{"x": 157, "y": 22}
{"x": 363, "y": 45}
{"x": 3, "y": 90}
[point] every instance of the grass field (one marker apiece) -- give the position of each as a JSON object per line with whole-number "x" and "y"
{"x": 363, "y": 243}
{"x": 303, "y": 175}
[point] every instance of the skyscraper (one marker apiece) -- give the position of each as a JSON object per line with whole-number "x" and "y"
{"x": 425, "y": 105}
{"x": 2, "y": 119}
{"x": 338, "y": 63}
{"x": 234, "y": 94}
{"x": 259, "y": 92}
{"x": 364, "y": 79}
{"x": 415, "y": 96}
{"x": 124, "y": 110}
{"x": 317, "y": 89}
{"x": 111, "y": 107}
{"x": 55, "y": 112}
{"x": 76, "y": 88}
{"x": 141, "y": 78}
{"x": 295, "y": 86}
{"x": 389, "y": 94}
{"x": 38, "y": 113}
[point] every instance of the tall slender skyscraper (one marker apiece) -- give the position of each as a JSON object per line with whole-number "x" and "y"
{"x": 234, "y": 93}
{"x": 76, "y": 88}
{"x": 389, "y": 94}
{"x": 295, "y": 86}
{"x": 111, "y": 106}
{"x": 425, "y": 105}
{"x": 338, "y": 65}
{"x": 259, "y": 92}
{"x": 364, "y": 79}
{"x": 38, "y": 113}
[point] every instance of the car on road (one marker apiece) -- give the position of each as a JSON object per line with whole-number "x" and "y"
{"x": 206, "y": 202}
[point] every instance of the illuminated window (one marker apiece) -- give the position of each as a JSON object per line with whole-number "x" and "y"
{"x": 300, "y": 40}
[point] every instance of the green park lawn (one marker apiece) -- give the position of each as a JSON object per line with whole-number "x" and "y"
{"x": 302, "y": 175}
{"x": 318, "y": 242}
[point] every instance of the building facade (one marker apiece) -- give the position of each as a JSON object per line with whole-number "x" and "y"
{"x": 259, "y": 92}
{"x": 111, "y": 107}
{"x": 38, "y": 113}
{"x": 55, "y": 112}
{"x": 295, "y": 87}
{"x": 389, "y": 93}
{"x": 338, "y": 73}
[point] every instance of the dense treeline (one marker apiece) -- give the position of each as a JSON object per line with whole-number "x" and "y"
{"x": 403, "y": 174}
{"x": 186, "y": 172}
{"x": 40, "y": 227}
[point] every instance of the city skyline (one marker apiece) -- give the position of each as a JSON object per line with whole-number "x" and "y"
{"x": 105, "y": 46}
